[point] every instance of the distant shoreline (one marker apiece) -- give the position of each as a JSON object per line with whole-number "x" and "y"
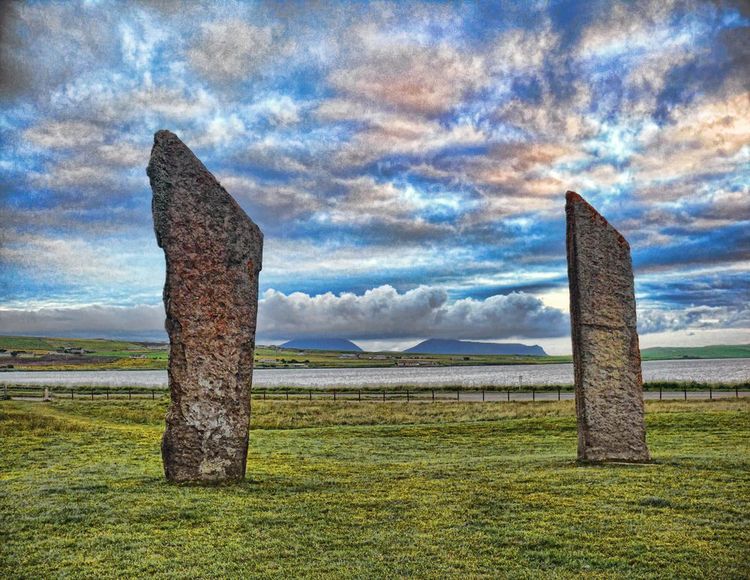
{"x": 22, "y": 353}
{"x": 557, "y": 360}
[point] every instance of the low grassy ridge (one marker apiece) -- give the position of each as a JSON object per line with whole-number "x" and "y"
{"x": 42, "y": 354}
{"x": 713, "y": 351}
{"x": 376, "y": 490}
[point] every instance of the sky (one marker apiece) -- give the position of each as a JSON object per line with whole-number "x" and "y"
{"x": 407, "y": 162}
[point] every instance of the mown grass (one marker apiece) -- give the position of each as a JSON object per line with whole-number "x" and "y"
{"x": 376, "y": 490}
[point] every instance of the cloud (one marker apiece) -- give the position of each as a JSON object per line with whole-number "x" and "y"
{"x": 272, "y": 202}
{"x": 694, "y": 317}
{"x": 388, "y": 134}
{"x": 231, "y": 50}
{"x": 278, "y": 109}
{"x": 394, "y": 71}
{"x": 400, "y": 143}
{"x": 83, "y": 177}
{"x": 125, "y": 268}
{"x": 64, "y": 134}
{"x": 379, "y": 313}
{"x": 383, "y": 312}
{"x": 142, "y": 321}
{"x": 709, "y": 137}
{"x": 81, "y": 33}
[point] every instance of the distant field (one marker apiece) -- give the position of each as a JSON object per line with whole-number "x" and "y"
{"x": 715, "y": 351}
{"x": 376, "y": 490}
{"x": 41, "y": 354}
{"x": 35, "y": 353}
{"x": 44, "y": 354}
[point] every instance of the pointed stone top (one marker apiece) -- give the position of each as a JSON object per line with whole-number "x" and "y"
{"x": 574, "y": 200}
{"x": 163, "y": 138}
{"x": 163, "y": 134}
{"x": 170, "y": 155}
{"x": 572, "y": 196}
{"x": 187, "y": 197}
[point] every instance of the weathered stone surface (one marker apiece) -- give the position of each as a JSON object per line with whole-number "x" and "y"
{"x": 607, "y": 360}
{"x": 213, "y": 253}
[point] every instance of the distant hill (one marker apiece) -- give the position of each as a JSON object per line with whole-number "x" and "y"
{"x": 446, "y": 346}
{"x": 713, "y": 351}
{"x": 48, "y": 343}
{"x": 322, "y": 344}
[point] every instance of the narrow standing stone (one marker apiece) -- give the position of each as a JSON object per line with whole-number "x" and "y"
{"x": 213, "y": 252}
{"x": 607, "y": 360}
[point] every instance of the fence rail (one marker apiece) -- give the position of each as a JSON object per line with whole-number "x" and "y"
{"x": 466, "y": 394}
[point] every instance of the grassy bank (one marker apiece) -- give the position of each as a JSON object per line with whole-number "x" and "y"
{"x": 375, "y": 490}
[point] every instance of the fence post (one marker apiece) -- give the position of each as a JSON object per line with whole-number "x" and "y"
{"x": 433, "y": 395}
{"x": 334, "y": 394}
{"x": 384, "y": 395}
{"x": 129, "y": 396}
{"x": 264, "y": 394}
{"x": 92, "y": 393}
{"x": 108, "y": 393}
{"x": 287, "y": 394}
{"x": 558, "y": 393}
{"x": 153, "y": 395}
{"x": 736, "y": 392}
{"x": 407, "y": 395}
{"x": 359, "y": 394}
{"x": 508, "y": 392}
{"x": 483, "y": 395}
{"x": 71, "y": 393}
{"x": 710, "y": 392}
{"x": 533, "y": 393}
{"x": 685, "y": 391}
{"x": 660, "y": 392}
{"x": 458, "y": 393}
{"x": 310, "y": 394}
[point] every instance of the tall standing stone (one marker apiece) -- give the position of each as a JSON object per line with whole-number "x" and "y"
{"x": 213, "y": 253}
{"x": 607, "y": 360}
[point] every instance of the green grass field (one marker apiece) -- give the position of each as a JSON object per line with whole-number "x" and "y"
{"x": 714, "y": 351}
{"x": 123, "y": 355}
{"x": 376, "y": 490}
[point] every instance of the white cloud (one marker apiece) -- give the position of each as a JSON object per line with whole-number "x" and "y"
{"x": 380, "y": 313}
{"x": 278, "y": 109}
{"x": 102, "y": 262}
{"x": 653, "y": 320}
{"x": 64, "y": 134}
{"x": 393, "y": 70}
{"x": 94, "y": 320}
{"x": 231, "y": 50}
{"x": 383, "y": 312}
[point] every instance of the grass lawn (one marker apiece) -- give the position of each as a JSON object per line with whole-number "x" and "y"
{"x": 373, "y": 490}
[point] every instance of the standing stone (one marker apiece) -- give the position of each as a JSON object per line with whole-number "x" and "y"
{"x": 213, "y": 252}
{"x": 607, "y": 360}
